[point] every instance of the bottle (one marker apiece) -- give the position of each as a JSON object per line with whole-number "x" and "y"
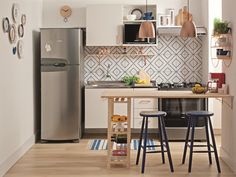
{"x": 119, "y": 139}
{"x": 171, "y": 12}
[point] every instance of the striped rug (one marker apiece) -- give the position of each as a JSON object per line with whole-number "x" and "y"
{"x": 101, "y": 144}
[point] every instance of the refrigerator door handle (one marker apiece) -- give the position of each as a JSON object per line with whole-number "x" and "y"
{"x": 59, "y": 64}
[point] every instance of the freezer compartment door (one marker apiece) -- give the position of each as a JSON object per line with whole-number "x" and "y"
{"x": 60, "y": 102}
{"x": 61, "y": 44}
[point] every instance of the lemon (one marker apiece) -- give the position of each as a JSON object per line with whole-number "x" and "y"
{"x": 141, "y": 81}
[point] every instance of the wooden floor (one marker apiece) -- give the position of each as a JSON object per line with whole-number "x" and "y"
{"x": 75, "y": 160}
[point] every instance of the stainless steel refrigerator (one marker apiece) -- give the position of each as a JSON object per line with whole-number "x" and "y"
{"x": 61, "y": 83}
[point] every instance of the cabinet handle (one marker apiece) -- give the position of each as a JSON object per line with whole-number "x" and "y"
{"x": 144, "y": 101}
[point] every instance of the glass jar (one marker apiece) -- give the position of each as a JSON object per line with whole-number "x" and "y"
{"x": 212, "y": 86}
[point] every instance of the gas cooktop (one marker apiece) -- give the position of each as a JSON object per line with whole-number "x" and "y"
{"x": 177, "y": 86}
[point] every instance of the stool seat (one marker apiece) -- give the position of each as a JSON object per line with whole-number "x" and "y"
{"x": 152, "y": 113}
{"x": 199, "y": 114}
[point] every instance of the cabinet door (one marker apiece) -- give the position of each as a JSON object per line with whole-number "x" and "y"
{"x": 96, "y": 108}
{"x": 144, "y": 104}
{"x": 104, "y": 25}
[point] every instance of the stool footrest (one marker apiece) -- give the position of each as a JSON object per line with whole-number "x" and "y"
{"x": 155, "y": 151}
{"x": 154, "y": 145}
{"x": 198, "y": 145}
{"x": 202, "y": 151}
{"x": 151, "y": 146}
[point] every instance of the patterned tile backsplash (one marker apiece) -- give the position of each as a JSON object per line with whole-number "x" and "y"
{"x": 175, "y": 59}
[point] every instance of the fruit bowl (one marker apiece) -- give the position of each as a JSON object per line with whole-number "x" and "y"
{"x": 199, "y": 90}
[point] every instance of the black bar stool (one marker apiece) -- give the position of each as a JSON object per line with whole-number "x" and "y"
{"x": 143, "y": 136}
{"x": 192, "y": 117}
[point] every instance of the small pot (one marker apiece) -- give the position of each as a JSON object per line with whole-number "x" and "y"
{"x": 222, "y": 52}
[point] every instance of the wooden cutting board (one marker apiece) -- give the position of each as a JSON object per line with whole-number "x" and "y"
{"x": 183, "y": 16}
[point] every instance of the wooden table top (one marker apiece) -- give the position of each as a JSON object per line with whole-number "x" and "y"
{"x": 160, "y": 94}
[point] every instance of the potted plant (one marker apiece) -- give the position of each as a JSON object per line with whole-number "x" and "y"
{"x": 221, "y": 27}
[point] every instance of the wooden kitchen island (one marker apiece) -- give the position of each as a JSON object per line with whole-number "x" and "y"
{"x": 124, "y": 97}
{"x": 161, "y": 94}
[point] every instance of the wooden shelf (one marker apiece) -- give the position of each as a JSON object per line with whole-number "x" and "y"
{"x": 118, "y": 162}
{"x": 222, "y": 35}
{"x": 220, "y": 57}
{"x": 116, "y": 159}
{"x": 140, "y": 45}
{"x": 118, "y": 133}
{"x": 128, "y": 55}
{"x": 222, "y": 47}
{"x": 138, "y": 21}
{"x": 224, "y": 42}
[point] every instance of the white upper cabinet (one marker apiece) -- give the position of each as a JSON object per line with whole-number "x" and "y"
{"x": 104, "y": 25}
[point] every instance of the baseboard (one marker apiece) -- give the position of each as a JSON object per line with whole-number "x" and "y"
{"x": 14, "y": 157}
{"x": 228, "y": 159}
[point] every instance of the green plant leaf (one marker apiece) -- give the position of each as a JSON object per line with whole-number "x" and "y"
{"x": 130, "y": 80}
{"x": 220, "y": 27}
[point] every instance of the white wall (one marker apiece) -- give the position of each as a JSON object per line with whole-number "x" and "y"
{"x": 215, "y": 106}
{"x": 17, "y": 86}
{"x": 52, "y": 18}
{"x": 228, "y": 149}
{"x": 204, "y": 18}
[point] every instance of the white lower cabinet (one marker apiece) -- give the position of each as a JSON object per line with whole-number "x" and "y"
{"x": 96, "y": 108}
{"x": 144, "y": 104}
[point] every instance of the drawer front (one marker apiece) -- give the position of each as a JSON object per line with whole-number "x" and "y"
{"x": 150, "y": 103}
{"x": 152, "y": 122}
{"x": 137, "y": 112}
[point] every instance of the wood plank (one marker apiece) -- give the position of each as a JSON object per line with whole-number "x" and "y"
{"x": 109, "y": 144}
{"x": 75, "y": 160}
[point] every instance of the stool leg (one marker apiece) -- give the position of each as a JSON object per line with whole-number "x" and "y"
{"x": 167, "y": 143}
{"x": 140, "y": 142}
{"x": 145, "y": 144}
{"x": 208, "y": 140}
{"x": 161, "y": 141}
{"x": 186, "y": 141}
{"x": 214, "y": 146}
{"x": 191, "y": 146}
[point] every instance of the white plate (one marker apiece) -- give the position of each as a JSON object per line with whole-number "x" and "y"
{"x": 15, "y": 12}
{"x": 5, "y": 25}
{"x": 23, "y": 19}
{"x": 138, "y": 13}
{"x": 21, "y": 30}
{"x": 20, "y": 49}
{"x": 12, "y": 34}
